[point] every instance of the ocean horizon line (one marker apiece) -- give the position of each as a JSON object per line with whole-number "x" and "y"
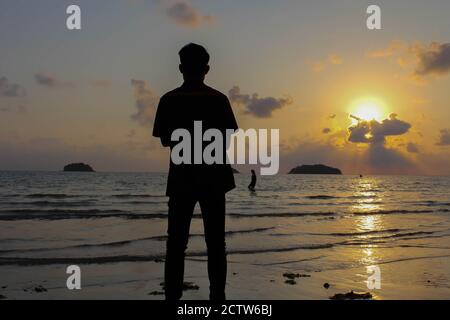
{"x": 278, "y": 174}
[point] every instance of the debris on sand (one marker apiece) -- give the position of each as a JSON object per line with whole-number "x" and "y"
{"x": 326, "y": 285}
{"x": 190, "y": 286}
{"x": 186, "y": 286}
{"x": 290, "y": 281}
{"x": 291, "y": 275}
{"x": 156, "y": 293}
{"x": 40, "y": 289}
{"x": 352, "y": 296}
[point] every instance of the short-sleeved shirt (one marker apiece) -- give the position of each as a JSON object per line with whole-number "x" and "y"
{"x": 178, "y": 109}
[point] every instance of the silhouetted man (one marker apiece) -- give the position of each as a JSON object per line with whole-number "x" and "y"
{"x": 191, "y": 183}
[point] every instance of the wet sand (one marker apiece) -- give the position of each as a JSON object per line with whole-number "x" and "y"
{"x": 429, "y": 280}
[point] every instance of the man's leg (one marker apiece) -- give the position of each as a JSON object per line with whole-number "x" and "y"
{"x": 180, "y": 214}
{"x": 213, "y": 213}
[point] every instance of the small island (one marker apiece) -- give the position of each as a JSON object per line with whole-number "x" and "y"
{"x": 78, "y": 167}
{"x": 315, "y": 169}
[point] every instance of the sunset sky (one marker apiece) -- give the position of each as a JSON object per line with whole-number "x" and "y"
{"x": 364, "y": 101}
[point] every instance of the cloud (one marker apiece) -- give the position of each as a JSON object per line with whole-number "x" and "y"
{"x": 326, "y": 130}
{"x": 393, "y": 48}
{"x": 50, "y": 81}
{"x": 421, "y": 59}
{"x": 434, "y": 59}
{"x": 412, "y": 148}
{"x": 444, "y": 138}
{"x": 45, "y": 80}
{"x": 360, "y": 132}
{"x": 332, "y": 60}
{"x": 145, "y": 101}
{"x": 318, "y": 66}
{"x": 8, "y": 89}
{"x": 186, "y": 15}
{"x": 388, "y": 160}
{"x": 376, "y": 132}
{"x": 259, "y": 107}
{"x": 335, "y": 59}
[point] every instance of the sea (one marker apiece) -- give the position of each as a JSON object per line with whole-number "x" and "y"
{"x": 311, "y": 223}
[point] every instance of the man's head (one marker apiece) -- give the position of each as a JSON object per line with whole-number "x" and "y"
{"x": 194, "y": 62}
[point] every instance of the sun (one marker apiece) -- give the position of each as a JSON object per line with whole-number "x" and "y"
{"x": 368, "y": 109}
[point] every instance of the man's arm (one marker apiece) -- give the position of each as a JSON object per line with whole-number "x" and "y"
{"x": 161, "y": 125}
{"x": 229, "y": 121}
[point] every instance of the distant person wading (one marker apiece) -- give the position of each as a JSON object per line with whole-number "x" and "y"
{"x": 252, "y": 184}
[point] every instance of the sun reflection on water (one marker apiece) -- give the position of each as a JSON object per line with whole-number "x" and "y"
{"x": 368, "y": 198}
{"x": 369, "y": 252}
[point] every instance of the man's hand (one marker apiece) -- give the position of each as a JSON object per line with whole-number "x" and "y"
{"x": 165, "y": 141}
